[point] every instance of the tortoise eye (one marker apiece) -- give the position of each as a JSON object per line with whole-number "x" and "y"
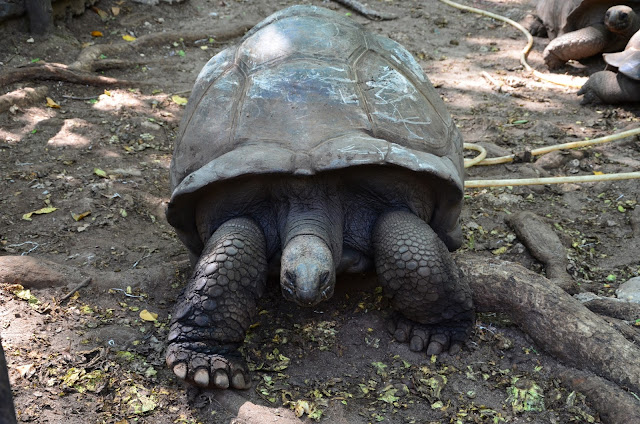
{"x": 624, "y": 15}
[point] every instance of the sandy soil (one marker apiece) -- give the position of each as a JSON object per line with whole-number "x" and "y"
{"x": 106, "y": 150}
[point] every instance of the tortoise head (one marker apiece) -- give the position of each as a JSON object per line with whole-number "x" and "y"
{"x": 619, "y": 18}
{"x": 308, "y": 272}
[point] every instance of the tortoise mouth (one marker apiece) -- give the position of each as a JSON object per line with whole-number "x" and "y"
{"x": 306, "y": 298}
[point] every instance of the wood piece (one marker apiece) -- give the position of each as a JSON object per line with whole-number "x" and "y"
{"x": 557, "y": 322}
{"x": 85, "y": 283}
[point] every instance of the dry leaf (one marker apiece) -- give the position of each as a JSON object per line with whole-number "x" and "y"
{"x": 103, "y": 15}
{"x": 179, "y": 99}
{"x": 27, "y": 216}
{"x": 128, "y": 37}
{"x": 99, "y": 172}
{"x": 78, "y": 217}
{"x": 51, "y": 103}
{"x": 96, "y": 34}
{"x": 148, "y": 316}
{"x": 26, "y": 371}
{"x": 115, "y": 11}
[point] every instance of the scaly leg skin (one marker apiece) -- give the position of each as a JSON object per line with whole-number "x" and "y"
{"x": 610, "y": 88}
{"x": 217, "y": 307}
{"x": 585, "y": 42}
{"x": 424, "y": 284}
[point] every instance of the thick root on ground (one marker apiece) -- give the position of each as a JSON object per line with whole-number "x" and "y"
{"x": 557, "y": 322}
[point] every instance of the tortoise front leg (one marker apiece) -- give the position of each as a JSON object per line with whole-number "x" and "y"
{"x": 424, "y": 284}
{"x": 610, "y": 88}
{"x": 585, "y": 42}
{"x": 217, "y": 307}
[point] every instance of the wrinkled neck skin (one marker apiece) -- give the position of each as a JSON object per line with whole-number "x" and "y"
{"x": 311, "y": 222}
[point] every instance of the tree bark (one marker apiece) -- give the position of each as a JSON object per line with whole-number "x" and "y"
{"x": 614, "y": 405}
{"x": 557, "y": 322}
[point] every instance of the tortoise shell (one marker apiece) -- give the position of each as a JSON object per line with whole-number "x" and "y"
{"x": 308, "y": 91}
{"x": 627, "y": 61}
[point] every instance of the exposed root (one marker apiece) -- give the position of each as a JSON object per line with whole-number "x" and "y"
{"x": 89, "y": 60}
{"x": 544, "y": 245}
{"x": 614, "y": 405}
{"x": 557, "y": 322}
{"x": 61, "y": 72}
{"x": 612, "y": 307}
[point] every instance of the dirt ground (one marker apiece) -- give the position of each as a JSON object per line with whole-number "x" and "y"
{"x": 101, "y": 159}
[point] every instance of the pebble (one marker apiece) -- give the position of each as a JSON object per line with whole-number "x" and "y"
{"x": 630, "y": 290}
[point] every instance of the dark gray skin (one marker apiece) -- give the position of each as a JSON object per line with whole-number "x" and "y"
{"x": 610, "y": 88}
{"x": 612, "y": 34}
{"x": 7, "y": 412}
{"x": 315, "y": 227}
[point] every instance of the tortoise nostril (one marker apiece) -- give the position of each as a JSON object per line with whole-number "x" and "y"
{"x": 289, "y": 278}
{"x": 324, "y": 278}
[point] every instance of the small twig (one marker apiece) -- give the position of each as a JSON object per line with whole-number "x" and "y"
{"x": 75, "y": 289}
{"x": 365, "y": 11}
{"x": 35, "y": 246}
{"x": 125, "y": 293}
{"x": 79, "y": 98}
{"x": 139, "y": 260}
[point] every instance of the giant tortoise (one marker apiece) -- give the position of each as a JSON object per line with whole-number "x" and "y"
{"x": 313, "y": 147}
{"x": 585, "y": 28}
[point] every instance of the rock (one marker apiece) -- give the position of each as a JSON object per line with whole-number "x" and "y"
{"x": 630, "y": 290}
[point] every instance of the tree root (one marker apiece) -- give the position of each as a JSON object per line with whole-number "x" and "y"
{"x": 614, "y": 405}
{"x": 89, "y": 60}
{"x": 557, "y": 322}
{"x": 611, "y": 307}
{"x": 36, "y": 273}
{"x": 60, "y": 72}
{"x": 545, "y": 246}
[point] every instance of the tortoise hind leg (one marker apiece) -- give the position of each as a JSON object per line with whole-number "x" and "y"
{"x": 585, "y": 42}
{"x": 218, "y": 305}
{"x": 424, "y": 284}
